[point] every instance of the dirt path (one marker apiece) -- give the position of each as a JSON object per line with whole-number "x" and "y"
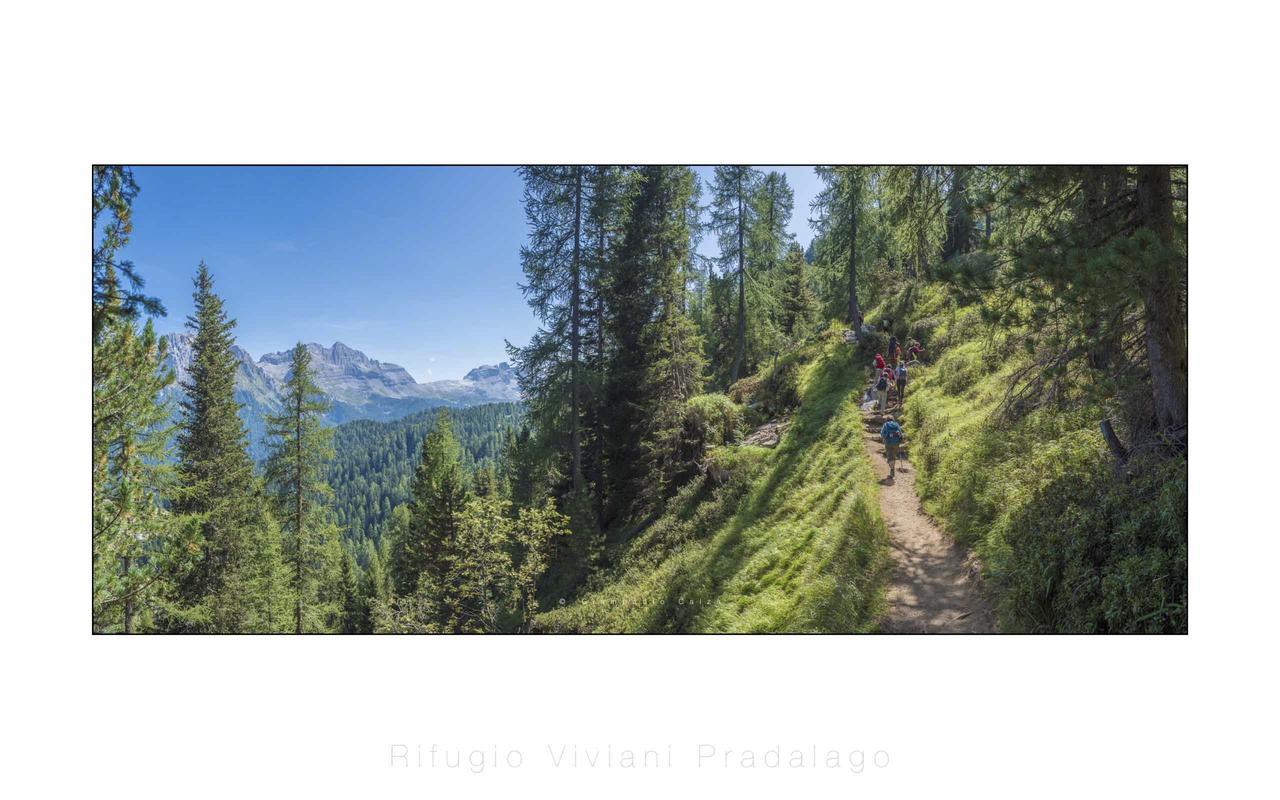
{"x": 932, "y": 589}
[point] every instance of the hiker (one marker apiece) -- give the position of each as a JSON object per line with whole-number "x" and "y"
{"x": 882, "y": 390}
{"x": 900, "y": 378}
{"x": 879, "y": 362}
{"x": 893, "y": 349}
{"x": 914, "y": 350}
{"x": 891, "y": 435}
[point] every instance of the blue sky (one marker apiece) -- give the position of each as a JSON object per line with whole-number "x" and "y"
{"x": 419, "y": 266}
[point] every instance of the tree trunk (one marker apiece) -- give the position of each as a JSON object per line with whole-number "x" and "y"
{"x": 740, "y": 352}
{"x": 297, "y": 504}
{"x": 1118, "y": 450}
{"x": 128, "y": 596}
{"x": 1166, "y": 334}
{"x": 574, "y": 325}
{"x": 597, "y": 442}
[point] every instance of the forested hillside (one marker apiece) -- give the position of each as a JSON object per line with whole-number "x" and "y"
{"x": 692, "y": 452}
{"x": 374, "y": 461}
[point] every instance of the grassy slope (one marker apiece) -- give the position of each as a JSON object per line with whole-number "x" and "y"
{"x": 793, "y": 542}
{"x": 1004, "y": 488}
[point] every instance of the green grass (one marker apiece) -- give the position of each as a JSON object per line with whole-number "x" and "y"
{"x": 1066, "y": 544}
{"x": 791, "y": 542}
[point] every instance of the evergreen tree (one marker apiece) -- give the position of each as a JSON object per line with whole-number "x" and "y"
{"x": 913, "y": 202}
{"x": 1088, "y": 263}
{"x": 550, "y": 368}
{"x": 300, "y": 447}
{"x": 797, "y": 303}
{"x": 840, "y": 208}
{"x": 606, "y": 215}
{"x": 133, "y": 533}
{"x": 423, "y": 548}
{"x": 217, "y": 482}
{"x": 519, "y": 469}
{"x": 768, "y": 240}
{"x": 655, "y": 361}
{"x": 114, "y": 190}
{"x": 732, "y": 216}
{"x": 960, "y": 233}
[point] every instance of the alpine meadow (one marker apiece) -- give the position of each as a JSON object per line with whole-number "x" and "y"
{"x": 898, "y": 399}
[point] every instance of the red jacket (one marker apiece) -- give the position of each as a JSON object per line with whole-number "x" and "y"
{"x": 879, "y": 361}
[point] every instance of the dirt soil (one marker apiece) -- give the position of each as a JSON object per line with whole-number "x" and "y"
{"x": 934, "y": 587}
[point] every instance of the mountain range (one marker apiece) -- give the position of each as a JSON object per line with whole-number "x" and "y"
{"x": 358, "y": 387}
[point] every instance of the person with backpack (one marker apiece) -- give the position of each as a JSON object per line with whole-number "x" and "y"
{"x": 891, "y": 435}
{"x": 914, "y": 350}
{"x": 882, "y": 390}
{"x": 879, "y": 362}
{"x": 900, "y": 378}
{"x": 893, "y": 349}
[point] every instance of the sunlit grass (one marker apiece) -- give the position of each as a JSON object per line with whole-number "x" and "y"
{"x": 793, "y": 542}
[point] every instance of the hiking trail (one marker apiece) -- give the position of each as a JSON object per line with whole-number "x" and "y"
{"x": 934, "y": 587}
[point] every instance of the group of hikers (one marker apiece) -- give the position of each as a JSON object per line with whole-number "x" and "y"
{"x": 891, "y": 375}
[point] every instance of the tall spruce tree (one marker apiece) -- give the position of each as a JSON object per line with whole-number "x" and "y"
{"x": 216, "y": 480}
{"x": 300, "y": 447}
{"x": 655, "y": 362}
{"x": 606, "y": 215}
{"x": 732, "y": 216}
{"x": 550, "y": 368}
{"x": 422, "y": 547}
{"x": 797, "y": 305}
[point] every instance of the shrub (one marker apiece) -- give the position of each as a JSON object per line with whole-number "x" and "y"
{"x": 780, "y": 391}
{"x": 711, "y": 419}
{"x": 1091, "y": 553}
{"x": 744, "y": 391}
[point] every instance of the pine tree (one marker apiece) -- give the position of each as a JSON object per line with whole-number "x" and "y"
{"x": 1088, "y": 266}
{"x": 550, "y": 368}
{"x": 422, "y": 550}
{"x": 960, "y": 233}
{"x": 300, "y": 447}
{"x": 114, "y": 190}
{"x": 768, "y": 241}
{"x": 134, "y": 536}
{"x": 913, "y": 202}
{"x": 840, "y": 207}
{"x": 796, "y": 304}
{"x": 216, "y": 480}
{"x": 655, "y": 361}
{"x": 611, "y": 189}
{"x": 732, "y": 216}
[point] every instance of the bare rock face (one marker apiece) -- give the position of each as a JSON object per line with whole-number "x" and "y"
{"x": 346, "y": 374}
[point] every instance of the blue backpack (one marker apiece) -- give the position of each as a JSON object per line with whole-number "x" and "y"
{"x": 891, "y": 432}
